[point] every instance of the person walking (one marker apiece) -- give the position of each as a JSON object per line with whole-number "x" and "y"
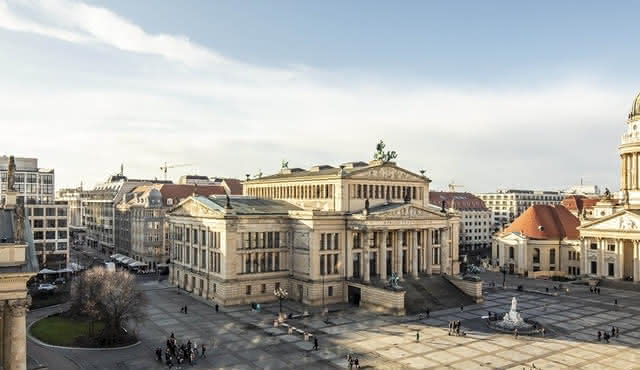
{"x": 185, "y": 308}
{"x": 461, "y": 307}
{"x": 315, "y": 343}
{"x": 356, "y": 362}
{"x": 428, "y": 312}
{"x": 418, "y": 336}
{"x": 204, "y": 349}
{"x": 599, "y": 336}
{"x": 217, "y": 307}
{"x": 515, "y": 333}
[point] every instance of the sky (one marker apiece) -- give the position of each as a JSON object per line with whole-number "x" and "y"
{"x": 492, "y": 94}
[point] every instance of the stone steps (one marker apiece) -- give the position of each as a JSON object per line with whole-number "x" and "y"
{"x": 434, "y": 292}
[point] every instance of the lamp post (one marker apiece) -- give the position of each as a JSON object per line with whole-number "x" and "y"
{"x": 281, "y": 294}
{"x": 504, "y": 275}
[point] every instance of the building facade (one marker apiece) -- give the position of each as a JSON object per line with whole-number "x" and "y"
{"x": 475, "y": 223}
{"x": 140, "y": 221}
{"x": 35, "y": 188}
{"x": 611, "y": 242}
{"x": 325, "y": 234}
{"x": 507, "y": 205}
{"x": 543, "y": 241}
{"x": 99, "y": 211}
{"x": 18, "y": 264}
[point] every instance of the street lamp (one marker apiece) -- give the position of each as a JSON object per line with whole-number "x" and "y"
{"x": 281, "y": 294}
{"x": 504, "y": 275}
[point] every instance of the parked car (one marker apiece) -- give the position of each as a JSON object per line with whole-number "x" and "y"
{"x": 46, "y": 287}
{"x": 59, "y": 281}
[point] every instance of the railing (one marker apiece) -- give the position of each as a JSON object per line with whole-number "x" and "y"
{"x": 630, "y": 138}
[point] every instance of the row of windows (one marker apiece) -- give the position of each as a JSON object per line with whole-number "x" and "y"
{"x": 257, "y": 240}
{"x": 195, "y": 236}
{"x": 38, "y": 224}
{"x": 190, "y": 256}
{"x": 261, "y": 262}
{"x": 49, "y": 235}
{"x": 50, "y": 247}
{"x": 366, "y": 191}
{"x": 574, "y": 256}
{"x": 49, "y": 211}
{"x": 329, "y": 264}
{"x": 323, "y": 191}
{"x": 403, "y": 238}
{"x": 29, "y": 178}
{"x": 610, "y": 247}
{"x": 329, "y": 241}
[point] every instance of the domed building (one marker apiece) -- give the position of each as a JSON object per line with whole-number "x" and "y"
{"x": 611, "y": 244}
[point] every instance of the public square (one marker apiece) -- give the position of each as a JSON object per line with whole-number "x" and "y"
{"x": 239, "y": 338}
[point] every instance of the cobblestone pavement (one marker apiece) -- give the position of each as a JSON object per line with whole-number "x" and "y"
{"x": 239, "y": 338}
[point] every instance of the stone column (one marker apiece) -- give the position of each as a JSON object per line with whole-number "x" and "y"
{"x": 383, "y": 255}
{"x": 400, "y": 253}
{"x": 601, "y": 248}
{"x": 365, "y": 254}
{"x": 636, "y": 261}
{"x": 619, "y": 259}
{"x": 414, "y": 254}
{"x": 429, "y": 252}
{"x": 15, "y": 330}
{"x": 348, "y": 255}
{"x": 445, "y": 264}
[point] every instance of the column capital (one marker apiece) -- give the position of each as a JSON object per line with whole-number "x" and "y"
{"x": 19, "y": 307}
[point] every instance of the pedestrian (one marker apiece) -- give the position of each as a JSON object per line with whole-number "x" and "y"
{"x": 598, "y": 291}
{"x": 428, "y": 312}
{"x": 606, "y": 337}
{"x": 461, "y": 307}
{"x": 515, "y": 333}
{"x": 182, "y": 309}
{"x": 590, "y": 289}
{"x": 542, "y": 332}
{"x": 613, "y": 331}
{"x": 357, "y": 363}
{"x": 158, "y": 354}
{"x": 173, "y": 336}
{"x": 599, "y": 336}
{"x": 204, "y": 349}
{"x": 185, "y": 308}
{"x": 315, "y": 343}
{"x": 458, "y": 329}
{"x": 418, "y": 336}
{"x": 617, "y": 331}
{"x": 450, "y": 326}
{"x": 217, "y": 307}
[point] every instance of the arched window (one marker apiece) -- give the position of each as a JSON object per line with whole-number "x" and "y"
{"x": 512, "y": 252}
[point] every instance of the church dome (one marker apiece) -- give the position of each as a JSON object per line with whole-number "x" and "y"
{"x": 635, "y": 109}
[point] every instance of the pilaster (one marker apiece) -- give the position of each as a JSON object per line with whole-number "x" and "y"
{"x": 414, "y": 253}
{"x": 382, "y": 260}
{"x": 429, "y": 251}
{"x": 15, "y": 345}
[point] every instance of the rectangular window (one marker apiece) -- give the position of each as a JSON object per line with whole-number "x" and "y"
{"x": 277, "y": 285}
{"x": 187, "y": 235}
{"x": 277, "y": 239}
{"x": 322, "y": 236}
{"x": 50, "y": 234}
{"x": 322, "y": 264}
{"x": 203, "y": 236}
{"x": 336, "y": 237}
{"x": 51, "y": 223}
{"x": 38, "y": 223}
{"x": 328, "y": 241}
{"x": 276, "y": 263}
{"x": 203, "y": 259}
{"x": 195, "y": 236}
{"x": 594, "y": 246}
{"x": 263, "y": 288}
{"x": 594, "y": 267}
{"x": 248, "y": 291}
{"x": 62, "y": 234}
{"x": 195, "y": 256}
{"x": 62, "y": 223}
{"x": 611, "y": 267}
{"x": 51, "y": 211}
{"x": 330, "y": 291}
{"x": 611, "y": 247}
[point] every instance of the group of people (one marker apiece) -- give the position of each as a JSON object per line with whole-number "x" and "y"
{"x": 606, "y": 336}
{"x": 454, "y": 328}
{"x": 183, "y": 309}
{"x": 353, "y": 362}
{"x": 176, "y": 354}
{"x": 594, "y": 290}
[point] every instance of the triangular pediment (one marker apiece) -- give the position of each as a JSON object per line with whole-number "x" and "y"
{"x": 191, "y": 207}
{"x": 621, "y": 221}
{"x": 386, "y": 172}
{"x": 407, "y": 211}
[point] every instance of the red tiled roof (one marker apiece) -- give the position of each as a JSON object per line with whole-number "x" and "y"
{"x": 579, "y": 202}
{"x": 461, "y": 201}
{"x": 181, "y": 191}
{"x": 234, "y": 186}
{"x": 546, "y": 222}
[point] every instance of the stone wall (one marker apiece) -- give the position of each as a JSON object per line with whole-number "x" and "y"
{"x": 537, "y": 274}
{"x": 471, "y": 288}
{"x": 380, "y": 300}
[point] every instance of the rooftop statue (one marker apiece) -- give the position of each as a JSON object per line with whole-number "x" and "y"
{"x": 380, "y": 155}
{"x": 11, "y": 174}
{"x": 285, "y": 164}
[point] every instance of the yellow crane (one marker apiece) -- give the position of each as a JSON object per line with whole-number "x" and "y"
{"x": 166, "y": 167}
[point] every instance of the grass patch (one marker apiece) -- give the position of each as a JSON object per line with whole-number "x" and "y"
{"x": 63, "y": 331}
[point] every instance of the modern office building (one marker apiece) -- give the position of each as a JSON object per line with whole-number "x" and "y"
{"x": 475, "y": 223}
{"x": 507, "y": 205}
{"x": 49, "y": 221}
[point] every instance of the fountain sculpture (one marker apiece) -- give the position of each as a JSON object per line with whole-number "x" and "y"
{"x": 512, "y": 319}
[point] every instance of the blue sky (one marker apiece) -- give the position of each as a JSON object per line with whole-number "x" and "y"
{"x": 489, "y": 94}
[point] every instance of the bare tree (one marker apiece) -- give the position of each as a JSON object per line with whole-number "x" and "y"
{"x": 108, "y": 296}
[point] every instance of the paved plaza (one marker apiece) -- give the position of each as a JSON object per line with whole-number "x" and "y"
{"x": 239, "y": 338}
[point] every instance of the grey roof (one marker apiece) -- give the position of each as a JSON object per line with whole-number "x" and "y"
{"x": 249, "y": 206}
{"x": 386, "y": 207}
{"x": 7, "y": 218}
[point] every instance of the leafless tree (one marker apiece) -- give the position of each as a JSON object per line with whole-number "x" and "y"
{"x": 108, "y": 296}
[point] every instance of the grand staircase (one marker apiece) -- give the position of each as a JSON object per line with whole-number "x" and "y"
{"x": 433, "y": 292}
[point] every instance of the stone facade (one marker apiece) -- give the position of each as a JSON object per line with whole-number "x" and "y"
{"x": 18, "y": 263}
{"x": 313, "y": 232}
{"x": 611, "y": 244}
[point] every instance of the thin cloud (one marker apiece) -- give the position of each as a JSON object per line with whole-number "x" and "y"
{"x": 231, "y": 118}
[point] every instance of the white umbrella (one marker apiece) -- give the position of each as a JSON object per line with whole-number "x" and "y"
{"x": 47, "y": 271}
{"x": 116, "y": 255}
{"x": 127, "y": 260}
{"x": 137, "y": 264}
{"x": 65, "y": 270}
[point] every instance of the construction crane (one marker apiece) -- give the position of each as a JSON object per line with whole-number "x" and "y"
{"x": 453, "y": 186}
{"x": 166, "y": 167}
